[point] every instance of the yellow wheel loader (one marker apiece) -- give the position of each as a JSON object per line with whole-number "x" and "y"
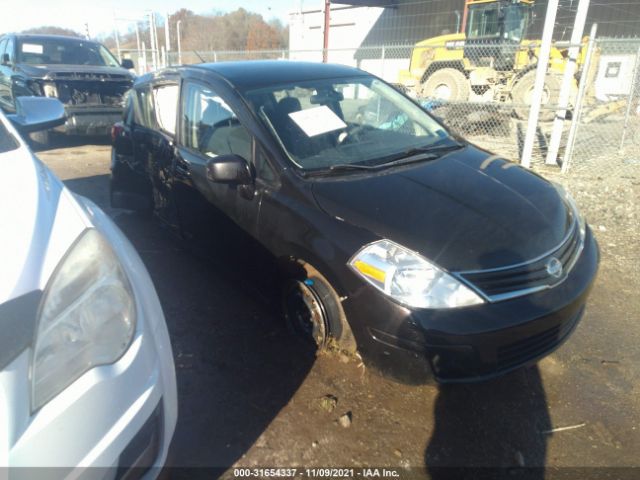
{"x": 493, "y": 60}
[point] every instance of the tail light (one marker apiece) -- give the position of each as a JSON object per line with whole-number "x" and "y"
{"x": 116, "y": 131}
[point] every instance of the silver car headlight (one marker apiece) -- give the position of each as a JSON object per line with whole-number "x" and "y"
{"x": 87, "y": 317}
{"x": 409, "y": 278}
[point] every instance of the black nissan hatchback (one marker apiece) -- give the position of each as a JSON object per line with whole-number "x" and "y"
{"x": 428, "y": 255}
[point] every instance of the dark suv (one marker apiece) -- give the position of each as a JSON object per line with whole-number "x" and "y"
{"x": 82, "y": 74}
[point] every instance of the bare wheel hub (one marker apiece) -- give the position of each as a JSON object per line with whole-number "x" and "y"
{"x": 305, "y": 312}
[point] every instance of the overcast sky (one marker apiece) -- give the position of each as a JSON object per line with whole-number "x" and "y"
{"x": 22, "y": 14}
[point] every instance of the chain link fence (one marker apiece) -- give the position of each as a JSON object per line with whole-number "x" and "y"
{"x": 607, "y": 135}
{"x": 483, "y": 92}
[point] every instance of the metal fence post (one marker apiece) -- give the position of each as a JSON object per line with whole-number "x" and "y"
{"x": 567, "y": 80}
{"x": 179, "y": 42}
{"x": 627, "y": 114}
{"x": 538, "y": 90}
{"x": 577, "y": 110}
{"x": 382, "y": 62}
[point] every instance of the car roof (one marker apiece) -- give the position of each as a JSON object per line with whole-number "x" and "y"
{"x": 251, "y": 74}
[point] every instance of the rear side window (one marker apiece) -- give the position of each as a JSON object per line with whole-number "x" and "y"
{"x": 144, "y": 115}
{"x": 165, "y": 103}
{"x": 210, "y": 126}
{"x": 8, "y": 49}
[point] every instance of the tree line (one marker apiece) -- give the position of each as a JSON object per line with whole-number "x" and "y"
{"x": 238, "y": 30}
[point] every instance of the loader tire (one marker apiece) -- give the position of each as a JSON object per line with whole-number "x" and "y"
{"x": 446, "y": 84}
{"x": 523, "y": 89}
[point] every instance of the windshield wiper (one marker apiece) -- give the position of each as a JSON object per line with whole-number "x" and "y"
{"x": 337, "y": 168}
{"x": 436, "y": 148}
{"x": 420, "y": 154}
{"x": 412, "y": 155}
{"x": 341, "y": 167}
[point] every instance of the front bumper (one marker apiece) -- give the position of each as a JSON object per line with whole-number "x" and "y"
{"x": 90, "y": 121}
{"x": 474, "y": 343}
{"x": 96, "y": 421}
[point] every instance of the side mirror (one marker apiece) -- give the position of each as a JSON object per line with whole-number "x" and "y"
{"x": 37, "y": 113}
{"x": 229, "y": 169}
{"x": 127, "y": 63}
{"x": 5, "y": 59}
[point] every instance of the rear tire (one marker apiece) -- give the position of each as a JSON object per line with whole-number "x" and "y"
{"x": 523, "y": 89}
{"x": 446, "y": 84}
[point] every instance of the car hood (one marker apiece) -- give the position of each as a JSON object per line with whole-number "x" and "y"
{"x": 50, "y": 71}
{"x": 467, "y": 210}
{"x": 40, "y": 220}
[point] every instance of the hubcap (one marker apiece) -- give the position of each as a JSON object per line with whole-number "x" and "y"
{"x": 545, "y": 95}
{"x": 306, "y": 313}
{"x": 442, "y": 92}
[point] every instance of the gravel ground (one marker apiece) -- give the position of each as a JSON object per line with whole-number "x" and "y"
{"x": 251, "y": 395}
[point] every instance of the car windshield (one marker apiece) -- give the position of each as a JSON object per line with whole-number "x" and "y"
{"x": 329, "y": 122}
{"x": 64, "y": 51}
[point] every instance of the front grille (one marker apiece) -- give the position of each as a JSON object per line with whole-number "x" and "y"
{"x": 88, "y": 76}
{"x": 522, "y": 351}
{"x": 508, "y": 282}
{"x": 92, "y": 92}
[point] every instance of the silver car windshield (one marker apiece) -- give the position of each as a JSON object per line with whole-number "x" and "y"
{"x": 340, "y": 121}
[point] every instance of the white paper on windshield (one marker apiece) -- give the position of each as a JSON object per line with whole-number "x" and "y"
{"x": 32, "y": 48}
{"x": 318, "y": 120}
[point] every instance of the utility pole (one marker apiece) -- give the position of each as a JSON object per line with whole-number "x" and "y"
{"x": 154, "y": 46}
{"x": 138, "y": 38}
{"x": 86, "y": 31}
{"x": 167, "y": 40}
{"x": 567, "y": 81}
{"x": 179, "y": 44}
{"x": 115, "y": 32}
{"x": 327, "y": 20}
{"x": 538, "y": 89}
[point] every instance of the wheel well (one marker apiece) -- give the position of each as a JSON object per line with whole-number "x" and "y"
{"x": 294, "y": 267}
{"x": 439, "y": 66}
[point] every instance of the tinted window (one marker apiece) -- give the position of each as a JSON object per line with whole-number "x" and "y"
{"x": 165, "y": 104}
{"x": 210, "y": 126}
{"x": 264, "y": 170}
{"x": 144, "y": 114}
{"x": 9, "y": 47}
{"x": 3, "y": 43}
{"x": 64, "y": 51}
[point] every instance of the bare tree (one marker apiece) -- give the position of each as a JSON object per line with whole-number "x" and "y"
{"x": 51, "y": 30}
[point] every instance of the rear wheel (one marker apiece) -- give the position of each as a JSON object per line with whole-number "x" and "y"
{"x": 446, "y": 84}
{"x": 523, "y": 91}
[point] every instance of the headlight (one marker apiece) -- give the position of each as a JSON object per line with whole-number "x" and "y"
{"x": 409, "y": 278}
{"x": 50, "y": 90}
{"x": 575, "y": 212}
{"x": 87, "y": 317}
